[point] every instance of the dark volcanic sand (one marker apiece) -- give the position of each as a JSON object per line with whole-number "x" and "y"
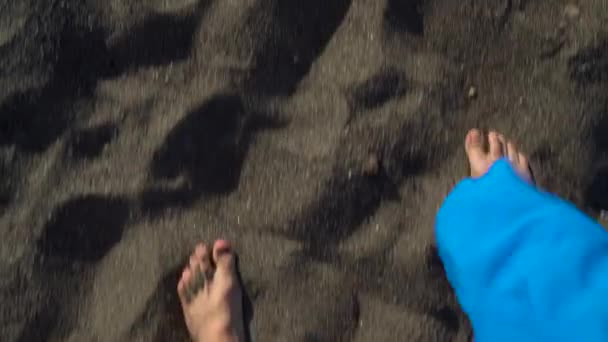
{"x": 319, "y": 136}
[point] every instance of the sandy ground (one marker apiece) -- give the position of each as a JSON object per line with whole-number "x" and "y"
{"x": 319, "y": 136}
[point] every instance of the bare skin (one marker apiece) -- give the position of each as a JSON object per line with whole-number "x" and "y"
{"x": 209, "y": 289}
{"x": 211, "y": 295}
{"x": 498, "y": 147}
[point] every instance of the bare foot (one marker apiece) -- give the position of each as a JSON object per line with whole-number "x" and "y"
{"x": 499, "y": 147}
{"x": 211, "y": 296}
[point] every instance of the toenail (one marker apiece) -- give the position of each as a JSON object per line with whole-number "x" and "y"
{"x": 475, "y": 138}
{"x": 221, "y": 243}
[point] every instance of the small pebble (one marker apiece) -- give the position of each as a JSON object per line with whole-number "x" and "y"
{"x": 472, "y": 93}
{"x": 572, "y": 11}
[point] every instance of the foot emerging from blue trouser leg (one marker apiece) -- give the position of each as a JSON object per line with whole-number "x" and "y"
{"x": 525, "y": 265}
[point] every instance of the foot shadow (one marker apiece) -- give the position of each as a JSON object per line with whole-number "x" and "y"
{"x": 404, "y": 16}
{"x": 7, "y": 183}
{"x": 84, "y": 228}
{"x": 299, "y": 34}
{"x": 339, "y": 212}
{"x": 596, "y": 194}
{"x": 376, "y": 91}
{"x": 204, "y": 153}
{"x": 590, "y": 65}
{"x": 352, "y": 196}
{"x": 89, "y": 142}
{"x": 160, "y": 39}
{"x": 40, "y": 327}
{"x": 34, "y": 119}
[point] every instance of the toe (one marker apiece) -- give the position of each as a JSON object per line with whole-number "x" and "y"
{"x": 223, "y": 256}
{"x": 523, "y": 161}
{"x": 512, "y": 153}
{"x": 202, "y": 271}
{"x": 184, "y": 279}
{"x": 226, "y": 277}
{"x": 199, "y": 267}
{"x": 193, "y": 263}
{"x": 524, "y": 169}
{"x": 182, "y": 286}
{"x": 495, "y": 145}
{"x": 199, "y": 250}
{"x": 503, "y": 143}
{"x": 474, "y": 144}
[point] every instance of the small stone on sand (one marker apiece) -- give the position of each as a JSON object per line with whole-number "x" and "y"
{"x": 472, "y": 93}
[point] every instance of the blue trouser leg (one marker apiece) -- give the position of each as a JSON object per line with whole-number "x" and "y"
{"x": 525, "y": 265}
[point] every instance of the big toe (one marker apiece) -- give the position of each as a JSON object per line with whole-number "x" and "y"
{"x": 223, "y": 256}
{"x": 225, "y": 279}
{"x": 474, "y": 147}
{"x": 474, "y": 143}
